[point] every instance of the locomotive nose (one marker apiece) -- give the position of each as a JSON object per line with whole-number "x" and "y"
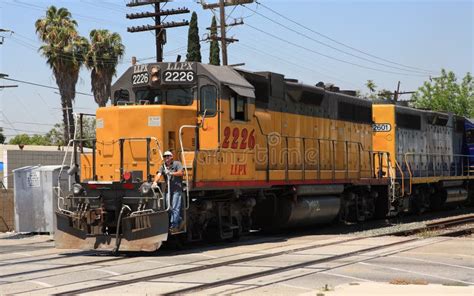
{"x": 126, "y": 137}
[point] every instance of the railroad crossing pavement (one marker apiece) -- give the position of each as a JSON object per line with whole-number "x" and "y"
{"x": 434, "y": 266}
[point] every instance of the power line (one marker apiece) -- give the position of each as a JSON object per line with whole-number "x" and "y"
{"x": 76, "y": 15}
{"x": 223, "y": 38}
{"x": 299, "y": 66}
{"x": 160, "y": 26}
{"x": 8, "y": 121}
{"x": 110, "y": 61}
{"x": 25, "y": 131}
{"x": 33, "y": 123}
{"x": 333, "y": 47}
{"x": 331, "y": 57}
{"x": 104, "y": 5}
{"x": 43, "y": 85}
{"x": 340, "y": 43}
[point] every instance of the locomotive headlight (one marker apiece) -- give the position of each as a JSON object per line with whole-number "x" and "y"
{"x": 155, "y": 74}
{"x": 145, "y": 188}
{"x": 77, "y": 189}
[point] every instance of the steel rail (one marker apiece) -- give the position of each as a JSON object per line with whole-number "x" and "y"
{"x": 432, "y": 226}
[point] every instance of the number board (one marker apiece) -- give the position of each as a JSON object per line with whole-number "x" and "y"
{"x": 140, "y": 78}
{"x": 381, "y": 127}
{"x": 178, "y": 77}
{"x": 239, "y": 139}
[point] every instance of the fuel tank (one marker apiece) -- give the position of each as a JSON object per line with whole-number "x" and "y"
{"x": 308, "y": 210}
{"x": 288, "y": 212}
{"x": 456, "y": 195}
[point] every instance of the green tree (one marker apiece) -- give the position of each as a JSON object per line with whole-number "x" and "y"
{"x": 372, "y": 88}
{"x": 24, "y": 139}
{"x": 105, "y": 51}
{"x": 373, "y": 94}
{"x": 55, "y": 136}
{"x": 194, "y": 45}
{"x": 445, "y": 93}
{"x": 385, "y": 94}
{"x": 64, "y": 51}
{"x": 214, "y": 58}
{"x": 2, "y": 138}
{"x": 88, "y": 133}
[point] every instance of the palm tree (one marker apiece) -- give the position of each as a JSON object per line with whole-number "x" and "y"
{"x": 371, "y": 86}
{"x": 105, "y": 51}
{"x": 64, "y": 50}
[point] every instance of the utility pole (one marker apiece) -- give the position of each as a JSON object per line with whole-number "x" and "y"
{"x": 397, "y": 93}
{"x": 2, "y": 38}
{"x": 223, "y": 38}
{"x": 2, "y": 76}
{"x": 159, "y": 27}
{"x": 223, "y": 32}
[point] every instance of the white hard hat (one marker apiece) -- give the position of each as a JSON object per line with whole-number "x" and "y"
{"x": 168, "y": 153}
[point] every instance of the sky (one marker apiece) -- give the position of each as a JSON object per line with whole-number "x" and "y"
{"x": 341, "y": 42}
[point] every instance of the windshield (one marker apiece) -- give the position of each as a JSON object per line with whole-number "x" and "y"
{"x": 178, "y": 96}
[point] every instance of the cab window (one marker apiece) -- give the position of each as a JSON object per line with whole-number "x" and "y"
{"x": 238, "y": 108}
{"x": 149, "y": 96}
{"x": 208, "y": 100}
{"x": 177, "y": 97}
{"x": 180, "y": 97}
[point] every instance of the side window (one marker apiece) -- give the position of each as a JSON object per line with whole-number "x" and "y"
{"x": 208, "y": 100}
{"x": 238, "y": 108}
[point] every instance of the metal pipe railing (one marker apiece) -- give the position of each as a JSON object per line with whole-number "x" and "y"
{"x": 434, "y": 156}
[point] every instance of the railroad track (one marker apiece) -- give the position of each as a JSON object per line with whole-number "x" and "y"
{"x": 200, "y": 288}
{"x": 437, "y": 225}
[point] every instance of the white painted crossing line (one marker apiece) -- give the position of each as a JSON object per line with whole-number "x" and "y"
{"x": 434, "y": 262}
{"x": 295, "y": 287}
{"x": 345, "y": 276}
{"x": 415, "y": 272}
{"x": 107, "y": 271}
{"x": 41, "y": 284}
{"x": 23, "y": 254}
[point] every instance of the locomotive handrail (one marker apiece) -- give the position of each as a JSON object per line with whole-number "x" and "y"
{"x": 442, "y": 171}
{"x": 410, "y": 174}
{"x": 81, "y": 130}
{"x": 148, "y": 140}
{"x": 121, "y": 142}
{"x": 402, "y": 175}
{"x": 332, "y": 142}
{"x": 456, "y": 171}
{"x": 392, "y": 181}
{"x": 71, "y": 141}
{"x": 186, "y": 206}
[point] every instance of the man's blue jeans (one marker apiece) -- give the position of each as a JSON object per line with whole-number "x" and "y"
{"x": 176, "y": 203}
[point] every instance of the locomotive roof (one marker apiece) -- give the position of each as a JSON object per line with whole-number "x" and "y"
{"x": 220, "y": 74}
{"x": 230, "y": 77}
